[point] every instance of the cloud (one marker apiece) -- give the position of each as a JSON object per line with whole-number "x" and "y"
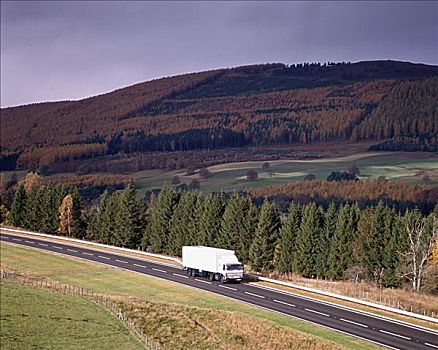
{"x": 70, "y": 50}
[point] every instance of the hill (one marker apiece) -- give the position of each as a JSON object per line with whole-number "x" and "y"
{"x": 392, "y": 103}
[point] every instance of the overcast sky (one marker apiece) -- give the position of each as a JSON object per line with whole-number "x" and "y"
{"x": 70, "y": 50}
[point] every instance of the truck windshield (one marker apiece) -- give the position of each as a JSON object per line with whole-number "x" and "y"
{"x": 234, "y": 267}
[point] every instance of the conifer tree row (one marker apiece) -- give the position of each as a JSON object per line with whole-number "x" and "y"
{"x": 334, "y": 243}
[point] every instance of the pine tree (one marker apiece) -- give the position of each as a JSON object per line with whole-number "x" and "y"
{"x": 195, "y": 236}
{"x": 373, "y": 244}
{"x": 36, "y": 209}
{"x": 341, "y": 247}
{"x": 78, "y": 222}
{"x": 261, "y": 253}
{"x": 285, "y": 258}
{"x": 307, "y": 241}
{"x": 182, "y": 223}
{"x": 160, "y": 221}
{"x": 52, "y": 197}
{"x": 327, "y": 233}
{"x": 128, "y": 226}
{"x": 210, "y": 221}
{"x": 376, "y": 245}
{"x": 233, "y": 224}
{"x": 104, "y": 222}
{"x": 390, "y": 256}
{"x": 19, "y": 208}
{"x": 248, "y": 232}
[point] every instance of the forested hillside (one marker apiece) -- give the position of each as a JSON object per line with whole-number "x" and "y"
{"x": 393, "y": 103}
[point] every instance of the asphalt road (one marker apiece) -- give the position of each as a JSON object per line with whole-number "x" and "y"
{"x": 385, "y": 332}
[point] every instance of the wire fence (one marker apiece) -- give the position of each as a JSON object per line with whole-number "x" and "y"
{"x": 97, "y": 298}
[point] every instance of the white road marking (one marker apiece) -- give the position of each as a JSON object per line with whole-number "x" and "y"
{"x": 282, "y": 302}
{"x": 159, "y": 270}
{"x": 356, "y": 323}
{"x": 255, "y": 295}
{"x": 139, "y": 265}
{"x": 55, "y": 246}
{"x": 431, "y": 345}
{"x": 16, "y": 239}
{"x": 227, "y": 287}
{"x": 317, "y": 312}
{"x": 104, "y": 257}
{"x": 87, "y": 253}
{"x": 369, "y": 314}
{"x": 394, "y": 334}
{"x": 45, "y": 245}
{"x": 125, "y": 262}
{"x": 202, "y": 281}
{"x": 177, "y": 274}
{"x": 30, "y": 242}
{"x": 72, "y": 250}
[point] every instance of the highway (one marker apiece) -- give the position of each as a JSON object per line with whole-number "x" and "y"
{"x": 382, "y": 331}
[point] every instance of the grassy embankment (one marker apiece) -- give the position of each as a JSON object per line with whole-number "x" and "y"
{"x": 38, "y": 319}
{"x": 179, "y": 317}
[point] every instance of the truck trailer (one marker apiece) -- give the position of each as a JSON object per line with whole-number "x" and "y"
{"x": 214, "y": 263}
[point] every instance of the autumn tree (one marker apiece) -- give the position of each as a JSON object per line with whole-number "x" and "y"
{"x": 32, "y": 180}
{"x": 175, "y": 180}
{"x": 66, "y": 216}
{"x": 194, "y": 185}
{"x": 251, "y": 175}
{"x": 5, "y": 215}
{"x": 267, "y": 168}
{"x": 204, "y": 173}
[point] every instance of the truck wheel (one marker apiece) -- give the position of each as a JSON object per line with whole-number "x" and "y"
{"x": 222, "y": 279}
{"x": 211, "y": 276}
{"x": 193, "y": 273}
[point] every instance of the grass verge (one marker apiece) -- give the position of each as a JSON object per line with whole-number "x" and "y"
{"x": 174, "y": 312}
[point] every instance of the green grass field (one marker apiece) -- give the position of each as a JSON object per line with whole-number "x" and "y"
{"x": 399, "y": 166}
{"x": 171, "y": 295}
{"x": 38, "y": 319}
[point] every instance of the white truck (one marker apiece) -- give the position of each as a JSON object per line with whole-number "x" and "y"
{"x": 213, "y": 263}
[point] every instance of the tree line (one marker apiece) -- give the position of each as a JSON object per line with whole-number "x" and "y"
{"x": 376, "y": 243}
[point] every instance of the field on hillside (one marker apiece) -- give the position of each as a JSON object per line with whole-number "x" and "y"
{"x": 399, "y": 166}
{"x": 38, "y": 319}
{"x": 174, "y": 314}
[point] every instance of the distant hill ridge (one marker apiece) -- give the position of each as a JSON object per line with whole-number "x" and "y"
{"x": 390, "y": 101}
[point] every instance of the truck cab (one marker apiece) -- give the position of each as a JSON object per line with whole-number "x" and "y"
{"x": 231, "y": 271}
